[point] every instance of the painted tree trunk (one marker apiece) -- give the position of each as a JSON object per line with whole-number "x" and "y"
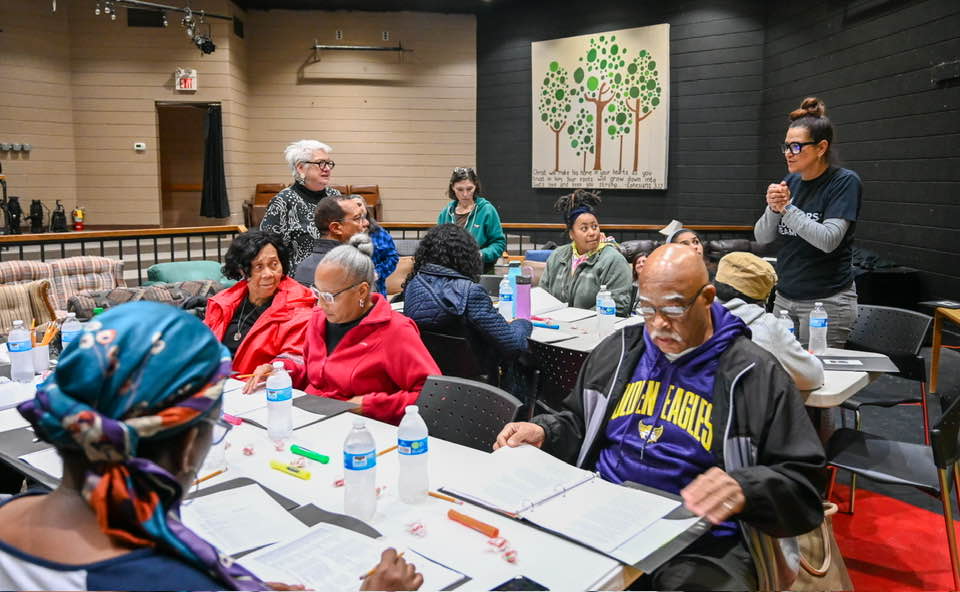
{"x": 636, "y": 133}
{"x": 556, "y": 149}
{"x": 620, "y": 167}
{"x": 601, "y": 105}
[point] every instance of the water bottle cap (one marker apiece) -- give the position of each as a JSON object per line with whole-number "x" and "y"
{"x": 783, "y": 312}
{"x": 603, "y": 287}
{"x": 71, "y": 315}
{"x": 818, "y": 304}
{"x": 17, "y": 323}
{"x": 278, "y": 365}
{"x": 524, "y": 279}
{"x": 412, "y": 409}
{"x": 359, "y": 423}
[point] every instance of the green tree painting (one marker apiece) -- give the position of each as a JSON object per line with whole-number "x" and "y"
{"x": 581, "y": 131}
{"x": 555, "y": 104}
{"x": 617, "y": 120}
{"x": 600, "y": 77}
{"x": 641, "y": 94}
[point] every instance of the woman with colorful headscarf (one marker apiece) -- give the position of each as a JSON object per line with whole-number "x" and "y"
{"x": 576, "y": 271}
{"x": 132, "y": 408}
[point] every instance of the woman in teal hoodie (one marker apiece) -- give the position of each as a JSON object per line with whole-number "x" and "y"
{"x": 474, "y": 214}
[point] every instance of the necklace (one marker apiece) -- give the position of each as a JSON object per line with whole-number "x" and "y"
{"x": 238, "y": 335}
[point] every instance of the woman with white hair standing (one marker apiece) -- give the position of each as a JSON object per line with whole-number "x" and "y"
{"x": 290, "y": 212}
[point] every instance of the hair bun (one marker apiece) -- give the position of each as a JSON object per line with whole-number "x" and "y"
{"x": 810, "y": 107}
{"x": 361, "y": 241}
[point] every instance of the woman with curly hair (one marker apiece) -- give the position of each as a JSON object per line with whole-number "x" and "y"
{"x": 576, "y": 271}
{"x": 266, "y": 312}
{"x": 442, "y": 294}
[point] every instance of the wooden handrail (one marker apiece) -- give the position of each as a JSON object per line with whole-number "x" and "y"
{"x": 53, "y": 237}
{"x": 542, "y": 226}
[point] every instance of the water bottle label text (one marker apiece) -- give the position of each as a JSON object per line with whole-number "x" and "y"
{"x": 412, "y": 447}
{"x": 818, "y": 323}
{"x": 607, "y": 310}
{"x": 18, "y": 346}
{"x": 359, "y": 462}
{"x": 282, "y": 394}
{"x": 69, "y": 336}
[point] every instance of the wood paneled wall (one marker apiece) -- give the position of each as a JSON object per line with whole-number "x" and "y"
{"x": 401, "y": 121}
{"x": 36, "y": 103}
{"x": 895, "y": 127}
{"x": 82, "y": 89}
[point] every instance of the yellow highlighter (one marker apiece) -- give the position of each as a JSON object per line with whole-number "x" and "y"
{"x": 290, "y": 470}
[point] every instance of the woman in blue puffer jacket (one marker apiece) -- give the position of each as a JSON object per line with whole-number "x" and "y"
{"x": 441, "y": 294}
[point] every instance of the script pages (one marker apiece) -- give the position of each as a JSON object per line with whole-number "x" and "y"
{"x": 577, "y": 504}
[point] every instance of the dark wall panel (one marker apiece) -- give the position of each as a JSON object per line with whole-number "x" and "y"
{"x": 716, "y": 78}
{"x": 896, "y": 129}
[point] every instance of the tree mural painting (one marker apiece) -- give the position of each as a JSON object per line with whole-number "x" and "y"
{"x": 555, "y": 104}
{"x": 598, "y": 78}
{"x": 641, "y": 94}
{"x": 617, "y": 121}
{"x": 581, "y": 132}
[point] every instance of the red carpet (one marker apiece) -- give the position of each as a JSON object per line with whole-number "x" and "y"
{"x": 891, "y": 545}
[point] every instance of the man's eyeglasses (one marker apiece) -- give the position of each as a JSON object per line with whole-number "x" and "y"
{"x": 323, "y": 164}
{"x": 220, "y": 429}
{"x": 329, "y": 297}
{"x": 794, "y": 147}
{"x": 673, "y": 311}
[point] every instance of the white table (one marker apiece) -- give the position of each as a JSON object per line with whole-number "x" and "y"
{"x": 552, "y": 561}
{"x": 838, "y": 386}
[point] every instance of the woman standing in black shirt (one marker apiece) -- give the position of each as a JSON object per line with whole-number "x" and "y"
{"x": 813, "y": 212}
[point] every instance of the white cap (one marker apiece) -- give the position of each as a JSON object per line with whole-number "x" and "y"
{"x": 412, "y": 409}
{"x": 278, "y": 365}
{"x": 359, "y": 422}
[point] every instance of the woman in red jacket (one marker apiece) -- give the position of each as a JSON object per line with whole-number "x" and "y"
{"x": 357, "y": 348}
{"x": 265, "y": 314}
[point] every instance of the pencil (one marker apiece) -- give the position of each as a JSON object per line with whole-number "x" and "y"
{"x": 374, "y": 568}
{"x": 210, "y": 476}
{"x": 447, "y": 498}
{"x": 386, "y": 450}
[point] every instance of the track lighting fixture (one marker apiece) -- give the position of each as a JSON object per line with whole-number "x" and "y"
{"x": 191, "y": 23}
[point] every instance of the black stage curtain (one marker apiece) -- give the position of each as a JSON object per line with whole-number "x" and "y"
{"x": 213, "y": 201}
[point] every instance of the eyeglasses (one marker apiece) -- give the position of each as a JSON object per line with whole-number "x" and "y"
{"x": 323, "y": 164}
{"x": 794, "y": 147}
{"x": 220, "y": 429}
{"x": 673, "y": 311}
{"x": 329, "y": 297}
{"x": 463, "y": 171}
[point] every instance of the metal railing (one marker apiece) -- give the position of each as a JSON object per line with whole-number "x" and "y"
{"x": 145, "y": 247}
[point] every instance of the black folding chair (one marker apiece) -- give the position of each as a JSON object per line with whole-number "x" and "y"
{"x": 928, "y": 468}
{"x": 465, "y": 411}
{"x": 456, "y": 356}
{"x": 559, "y": 368}
{"x": 491, "y": 283}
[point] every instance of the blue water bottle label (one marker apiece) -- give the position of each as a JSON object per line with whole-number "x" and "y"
{"x": 69, "y": 336}
{"x": 359, "y": 462}
{"x": 18, "y": 346}
{"x": 506, "y": 297}
{"x": 283, "y": 394}
{"x": 412, "y": 447}
{"x": 607, "y": 310}
{"x": 818, "y": 323}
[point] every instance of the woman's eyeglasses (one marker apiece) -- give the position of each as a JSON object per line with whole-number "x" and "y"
{"x": 329, "y": 297}
{"x": 794, "y": 147}
{"x": 323, "y": 164}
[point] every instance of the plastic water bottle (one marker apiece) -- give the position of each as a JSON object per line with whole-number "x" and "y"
{"x": 506, "y": 299}
{"x": 412, "y": 446}
{"x": 21, "y": 354}
{"x": 786, "y": 322}
{"x": 513, "y": 270}
{"x": 71, "y": 329}
{"x": 360, "y": 472}
{"x": 818, "y": 329}
{"x": 279, "y": 404}
{"x": 606, "y": 312}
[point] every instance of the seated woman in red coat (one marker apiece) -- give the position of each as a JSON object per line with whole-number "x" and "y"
{"x": 357, "y": 348}
{"x": 265, "y": 314}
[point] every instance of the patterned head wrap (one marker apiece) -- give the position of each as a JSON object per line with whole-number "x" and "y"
{"x": 139, "y": 372}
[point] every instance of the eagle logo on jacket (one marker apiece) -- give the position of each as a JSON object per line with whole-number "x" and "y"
{"x": 650, "y": 433}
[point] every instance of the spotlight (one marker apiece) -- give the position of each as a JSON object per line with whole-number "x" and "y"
{"x": 96, "y": 10}
{"x": 205, "y": 43}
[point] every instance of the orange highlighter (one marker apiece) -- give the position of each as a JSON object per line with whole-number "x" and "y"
{"x": 490, "y": 531}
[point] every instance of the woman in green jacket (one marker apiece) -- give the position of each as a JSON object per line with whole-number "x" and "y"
{"x": 576, "y": 271}
{"x": 474, "y": 214}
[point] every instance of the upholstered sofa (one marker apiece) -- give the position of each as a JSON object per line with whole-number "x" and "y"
{"x": 67, "y": 277}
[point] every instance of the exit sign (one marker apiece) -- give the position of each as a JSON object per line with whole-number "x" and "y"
{"x": 186, "y": 80}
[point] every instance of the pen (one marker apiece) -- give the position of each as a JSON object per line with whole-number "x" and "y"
{"x": 543, "y": 319}
{"x": 447, "y": 498}
{"x": 210, "y": 476}
{"x": 386, "y": 450}
{"x": 545, "y": 325}
{"x": 292, "y": 471}
{"x": 488, "y": 530}
{"x": 320, "y": 458}
{"x": 374, "y": 568}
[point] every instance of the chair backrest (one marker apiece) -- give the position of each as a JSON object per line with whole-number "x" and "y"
{"x": 455, "y": 356}
{"x": 945, "y": 437}
{"x": 491, "y": 283}
{"x": 265, "y": 192}
{"x": 466, "y": 412}
{"x": 895, "y": 332}
{"x": 559, "y": 368}
{"x": 370, "y": 193}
